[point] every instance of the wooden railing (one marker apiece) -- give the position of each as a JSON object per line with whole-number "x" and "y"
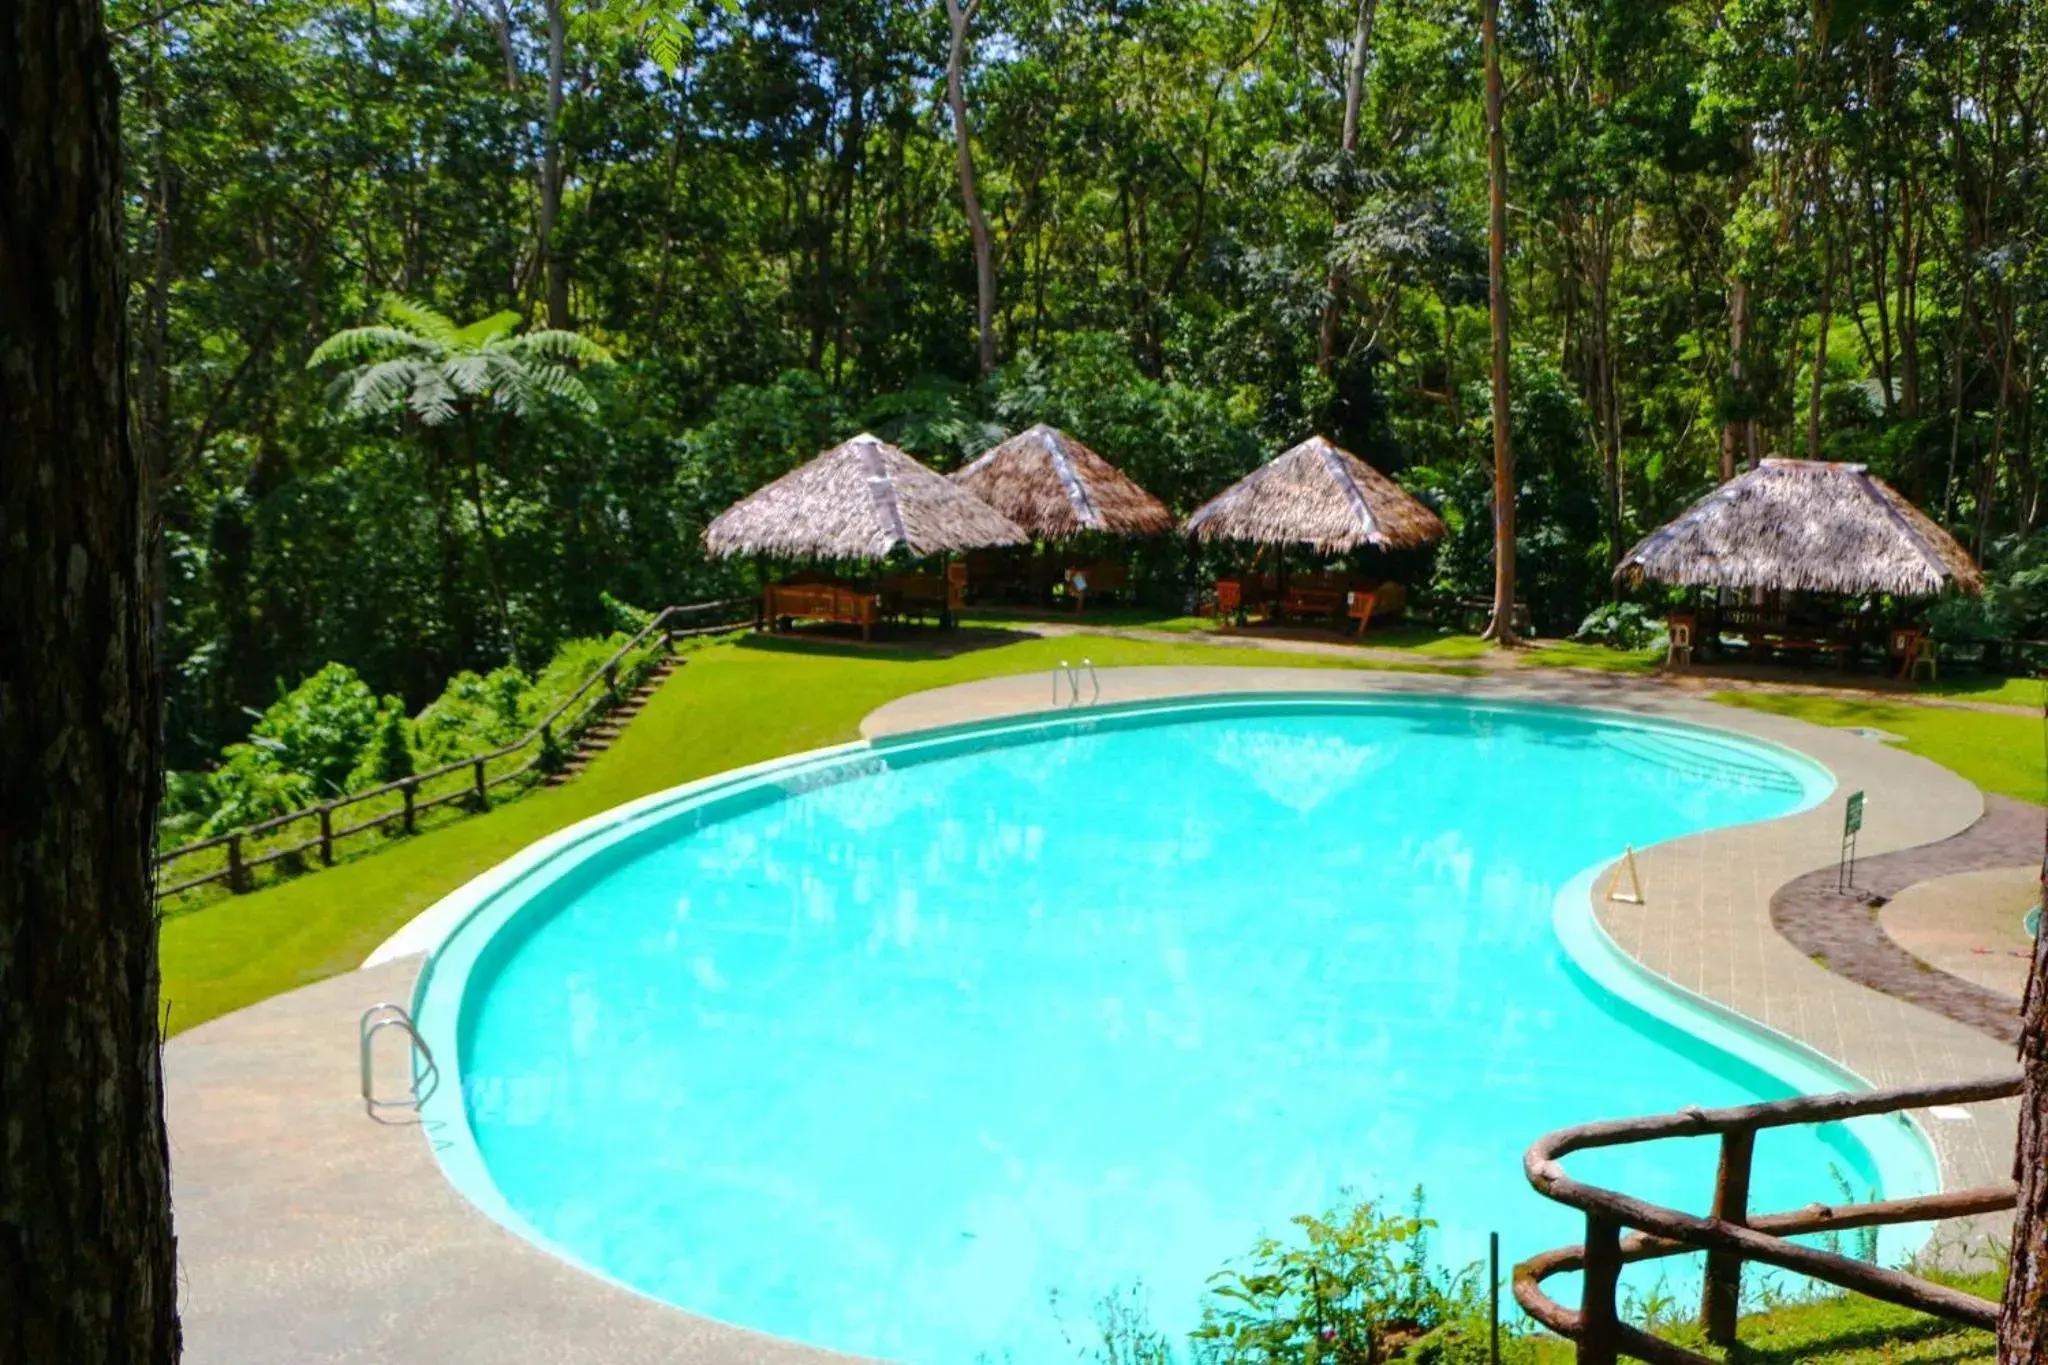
{"x": 1731, "y": 1235}
{"x": 239, "y": 852}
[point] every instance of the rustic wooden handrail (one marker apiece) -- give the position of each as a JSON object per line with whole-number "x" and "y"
{"x": 1731, "y": 1235}
{"x": 236, "y": 872}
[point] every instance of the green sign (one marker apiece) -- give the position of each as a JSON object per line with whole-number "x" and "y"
{"x": 1852, "y": 817}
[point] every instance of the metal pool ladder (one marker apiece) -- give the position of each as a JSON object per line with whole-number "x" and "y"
{"x": 375, "y": 1020}
{"x": 1072, "y": 675}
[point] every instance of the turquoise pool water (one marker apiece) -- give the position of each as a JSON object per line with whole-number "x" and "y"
{"x": 918, "y": 1051}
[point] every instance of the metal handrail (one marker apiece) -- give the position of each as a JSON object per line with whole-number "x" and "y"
{"x": 375, "y": 1020}
{"x": 1073, "y": 677}
{"x": 1731, "y": 1235}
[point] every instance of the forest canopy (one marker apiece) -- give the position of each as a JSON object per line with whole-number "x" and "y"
{"x": 1737, "y": 228}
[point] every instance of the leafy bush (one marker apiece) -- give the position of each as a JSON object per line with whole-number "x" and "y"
{"x": 1620, "y": 625}
{"x": 320, "y": 728}
{"x": 474, "y": 714}
{"x": 1964, "y": 620}
{"x": 1356, "y": 1287}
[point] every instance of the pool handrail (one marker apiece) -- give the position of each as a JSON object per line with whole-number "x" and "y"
{"x": 1731, "y": 1234}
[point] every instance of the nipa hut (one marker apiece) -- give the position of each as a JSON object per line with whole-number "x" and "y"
{"x": 859, "y": 500}
{"x": 1054, "y": 487}
{"x": 1805, "y": 526}
{"x": 1318, "y": 496}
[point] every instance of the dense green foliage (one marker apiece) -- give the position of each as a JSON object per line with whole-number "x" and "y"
{"x": 331, "y": 735}
{"x": 763, "y": 231}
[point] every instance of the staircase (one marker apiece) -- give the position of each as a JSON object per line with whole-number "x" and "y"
{"x": 598, "y": 736}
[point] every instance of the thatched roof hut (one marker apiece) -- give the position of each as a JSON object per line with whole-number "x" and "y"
{"x": 1322, "y": 497}
{"x": 859, "y": 500}
{"x": 1806, "y": 526}
{"x": 1054, "y": 487}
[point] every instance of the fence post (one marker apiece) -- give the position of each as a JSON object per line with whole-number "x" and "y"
{"x": 411, "y": 790}
{"x": 1721, "y": 1294}
{"x": 483, "y": 792}
{"x": 238, "y": 875}
{"x": 1599, "y": 1343}
{"x": 611, "y": 681}
{"x": 327, "y": 835}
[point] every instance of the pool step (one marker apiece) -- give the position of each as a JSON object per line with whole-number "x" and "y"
{"x": 599, "y": 734}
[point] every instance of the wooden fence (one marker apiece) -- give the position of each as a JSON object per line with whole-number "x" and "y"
{"x": 467, "y": 783}
{"x": 1730, "y": 1235}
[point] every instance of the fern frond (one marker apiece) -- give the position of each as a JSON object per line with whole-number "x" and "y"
{"x": 381, "y": 389}
{"x": 430, "y": 325}
{"x": 566, "y": 347}
{"x": 359, "y": 344}
{"x": 484, "y": 331}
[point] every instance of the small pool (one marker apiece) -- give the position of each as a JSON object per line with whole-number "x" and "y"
{"x": 918, "y": 1049}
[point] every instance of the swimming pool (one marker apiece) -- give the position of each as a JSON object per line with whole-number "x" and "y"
{"x": 917, "y": 1049}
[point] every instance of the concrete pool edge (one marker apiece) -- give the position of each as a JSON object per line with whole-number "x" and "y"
{"x": 465, "y": 923}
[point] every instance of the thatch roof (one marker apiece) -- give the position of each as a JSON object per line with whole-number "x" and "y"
{"x": 1320, "y": 496}
{"x": 1053, "y": 486}
{"x": 859, "y": 500}
{"x": 1806, "y": 526}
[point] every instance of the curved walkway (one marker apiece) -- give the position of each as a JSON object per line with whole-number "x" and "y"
{"x": 1841, "y": 931}
{"x": 309, "y": 1233}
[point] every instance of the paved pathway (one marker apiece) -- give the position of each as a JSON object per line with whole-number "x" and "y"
{"x": 1969, "y": 925}
{"x": 309, "y": 1233}
{"x": 1841, "y": 931}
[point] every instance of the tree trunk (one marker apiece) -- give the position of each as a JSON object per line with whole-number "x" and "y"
{"x": 551, "y": 172}
{"x": 1738, "y": 438}
{"x": 1501, "y": 629}
{"x": 958, "y": 19}
{"x": 1347, "y": 144}
{"x": 87, "y": 1262}
{"x": 2023, "y": 1324}
{"x": 1820, "y": 344}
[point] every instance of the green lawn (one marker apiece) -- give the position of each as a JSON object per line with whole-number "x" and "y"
{"x": 2026, "y": 692}
{"x": 730, "y": 704}
{"x": 2000, "y": 753}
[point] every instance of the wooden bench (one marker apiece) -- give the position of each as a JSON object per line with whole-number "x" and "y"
{"x": 834, "y": 602}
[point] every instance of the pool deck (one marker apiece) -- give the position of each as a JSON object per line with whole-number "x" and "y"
{"x": 309, "y": 1233}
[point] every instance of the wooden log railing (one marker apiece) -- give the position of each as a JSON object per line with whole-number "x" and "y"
{"x": 236, "y": 851}
{"x": 1731, "y": 1235}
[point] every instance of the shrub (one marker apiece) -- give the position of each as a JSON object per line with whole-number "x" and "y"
{"x": 1620, "y": 625}
{"x": 1357, "y": 1286}
{"x": 318, "y": 730}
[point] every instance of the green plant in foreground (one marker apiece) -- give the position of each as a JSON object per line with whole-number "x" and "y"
{"x": 1355, "y": 1288}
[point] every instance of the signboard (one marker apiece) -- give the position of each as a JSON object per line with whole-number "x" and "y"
{"x": 1852, "y": 816}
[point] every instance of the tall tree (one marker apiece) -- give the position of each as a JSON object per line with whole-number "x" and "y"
{"x": 2023, "y": 1320}
{"x": 1501, "y": 629}
{"x": 958, "y": 19}
{"x": 1347, "y": 148}
{"x": 87, "y": 1263}
{"x": 552, "y": 172}
{"x": 419, "y": 366}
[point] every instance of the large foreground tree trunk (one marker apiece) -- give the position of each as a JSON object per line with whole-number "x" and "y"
{"x": 2023, "y": 1325}
{"x": 86, "y": 1257}
{"x": 958, "y": 19}
{"x": 1502, "y": 628}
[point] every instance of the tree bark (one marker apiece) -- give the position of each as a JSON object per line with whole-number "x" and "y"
{"x": 1820, "y": 344}
{"x": 1347, "y": 145}
{"x": 958, "y": 18}
{"x": 87, "y": 1262}
{"x": 1738, "y": 436}
{"x": 1501, "y": 630}
{"x": 2023, "y": 1321}
{"x": 551, "y": 172}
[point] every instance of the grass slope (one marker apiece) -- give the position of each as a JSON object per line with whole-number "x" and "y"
{"x": 2000, "y": 753}
{"x": 729, "y": 705}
